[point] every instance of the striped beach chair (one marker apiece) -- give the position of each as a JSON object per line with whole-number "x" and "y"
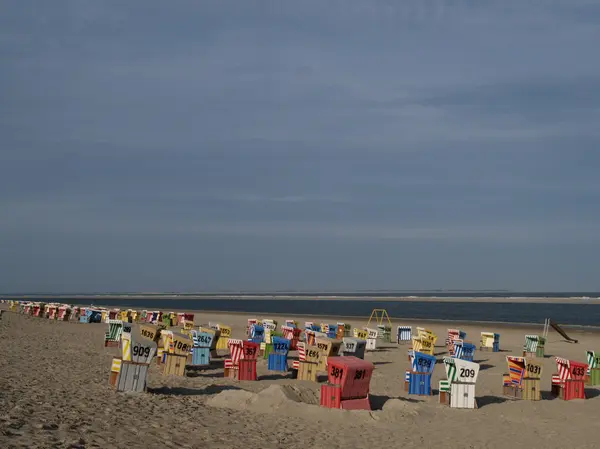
{"x": 404, "y": 334}
{"x": 467, "y": 352}
{"x": 113, "y": 336}
{"x": 593, "y": 372}
{"x": 516, "y": 370}
{"x": 592, "y": 360}
{"x": 572, "y": 379}
{"x": 534, "y": 346}
{"x": 292, "y": 333}
{"x": 301, "y": 355}
{"x": 251, "y": 322}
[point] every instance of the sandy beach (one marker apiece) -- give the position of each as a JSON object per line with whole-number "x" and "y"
{"x": 54, "y": 392}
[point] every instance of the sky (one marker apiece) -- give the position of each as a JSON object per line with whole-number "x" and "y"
{"x": 308, "y": 145}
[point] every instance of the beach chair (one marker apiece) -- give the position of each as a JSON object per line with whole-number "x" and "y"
{"x": 188, "y": 320}
{"x": 353, "y": 347}
{"x": 422, "y": 366}
{"x": 424, "y": 344}
{"x": 130, "y": 375}
{"x": 113, "y": 336}
{"x": 462, "y": 376}
{"x": 177, "y": 348}
{"x": 74, "y": 315}
{"x": 404, "y": 334}
{"x": 347, "y": 330}
{"x": 372, "y": 335}
{"x": 571, "y": 379}
{"x": 277, "y": 359}
{"x": 291, "y": 323}
{"x": 52, "y": 312}
{"x": 242, "y": 364}
{"x": 593, "y": 371}
{"x": 384, "y": 333}
{"x": 201, "y": 350}
{"x": 269, "y": 325}
{"x": 177, "y": 318}
{"x": 63, "y": 313}
{"x": 292, "y": 333}
{"x": 257, "y": 333}
{"x": 348, "y": 384}
{"x": 453, "y": 335}
{"x": 306, "y": 367}
{"x": 490, "y": 341}
{"x": 534, "y": 346}
{"x": 464, "y": 350}
{"x": 361, "y": 334}
{"x": 331, "y": 330}
{"x": 251, "y": 322}
{"x": 224, "y": 337}
{"x": 329, "y": 348}
{"x": 523, "y": 380}
{"x": 216, "y": 336}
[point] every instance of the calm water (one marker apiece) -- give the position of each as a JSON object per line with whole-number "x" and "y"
{"x": 568, "y": 314}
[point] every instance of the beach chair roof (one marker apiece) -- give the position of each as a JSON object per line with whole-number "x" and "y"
{"x": 141, "y": 349}
{"x": 423, "y": 363}
{"x": 516, "y": 369}
{"x": 570, "y": 369}
{"x": 593, "y": 359}
{"x": 462, "y": 371}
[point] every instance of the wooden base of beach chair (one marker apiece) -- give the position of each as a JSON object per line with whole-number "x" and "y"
{"x": 132, "y": 377}
{"x": 115, "y": 369}
{"x": 572, "y": 389}
{"x": 444, "y": 397}
{"x": 246, "y": 370}
{"x": 593, "y": 379}
{"x": 231, "y": 373}
{"x": 113, "y": 378}
{"x": 175, "y": 364}
{"x": 532, "y": 389}
{"x": 307, "y": 371}
{"x": 512, "y": 391}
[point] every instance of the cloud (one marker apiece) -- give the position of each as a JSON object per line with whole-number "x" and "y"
{"x": 327, "y": 127}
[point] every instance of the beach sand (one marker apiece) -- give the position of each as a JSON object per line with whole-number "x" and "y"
{"x": 54, "y": 392}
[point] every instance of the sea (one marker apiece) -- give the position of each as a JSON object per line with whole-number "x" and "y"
{"x": 484, "y": 309}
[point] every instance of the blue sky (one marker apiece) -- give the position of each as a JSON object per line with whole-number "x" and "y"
{"x": 214, "y": 145}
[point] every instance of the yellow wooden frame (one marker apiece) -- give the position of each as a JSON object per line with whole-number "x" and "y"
{"x": 379, "y": 315}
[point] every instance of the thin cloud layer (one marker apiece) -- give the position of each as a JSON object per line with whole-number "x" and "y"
{"x": 146, "y": 137}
